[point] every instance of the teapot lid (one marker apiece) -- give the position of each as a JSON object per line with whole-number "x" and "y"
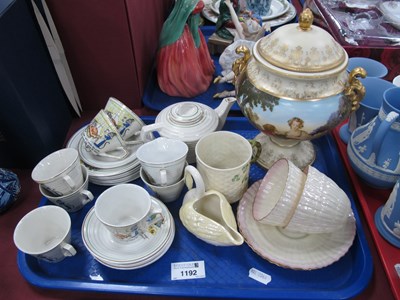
{"x": 187, "y": 121}
{"x": 301, "y": 47}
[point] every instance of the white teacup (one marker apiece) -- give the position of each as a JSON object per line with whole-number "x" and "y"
{"x": 167, "y": 193}
{"x": 223, "y": 160}
{"x": 323, "y": 206}
{"x": 125, "y": 120}
{"x": 122, "y": 209}
{"x": 74, "y": 201}
{"x": 60, "y": 172}
{"x": 45, "y": 233}
{"x": 163, "y": 160}
{"x": 102, "y": 138}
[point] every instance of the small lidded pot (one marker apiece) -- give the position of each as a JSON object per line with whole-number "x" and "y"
{"x": 295, "y": 86}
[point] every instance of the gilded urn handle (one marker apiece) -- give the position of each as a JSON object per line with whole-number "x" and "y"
{"x": 240, "y": 64}
{"x": 354, "y": 89}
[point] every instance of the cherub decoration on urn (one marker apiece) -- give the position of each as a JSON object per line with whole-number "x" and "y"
{"x": 294, "y": 87}
{"x": 184, "y": 65}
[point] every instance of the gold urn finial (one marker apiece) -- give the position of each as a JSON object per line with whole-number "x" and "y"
{"x": 306, "y": 19}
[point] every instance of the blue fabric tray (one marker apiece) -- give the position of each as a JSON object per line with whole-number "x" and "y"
{"x": 227, "y": 268}
{"x": 156, "y": 99}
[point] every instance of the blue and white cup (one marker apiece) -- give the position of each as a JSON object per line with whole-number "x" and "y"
{"x": 73, "y": 201}
{"x": 125, "y": 120}
{"x": 102, "y": 138}
{"x": 387, "y": 217}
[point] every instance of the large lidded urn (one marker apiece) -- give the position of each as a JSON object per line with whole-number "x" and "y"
{"x": 295, "y": 88}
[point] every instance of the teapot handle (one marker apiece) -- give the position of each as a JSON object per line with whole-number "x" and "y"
{"x": 145, "y": 132}
{"x": 381, "y": 132}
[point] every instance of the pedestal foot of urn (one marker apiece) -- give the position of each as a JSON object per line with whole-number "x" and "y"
{"x": 301, "y": 154}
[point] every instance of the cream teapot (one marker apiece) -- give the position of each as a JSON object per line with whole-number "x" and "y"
{"x": 189, "y": 121}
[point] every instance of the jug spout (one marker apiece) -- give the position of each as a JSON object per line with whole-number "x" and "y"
{"x": 223, "y": 109}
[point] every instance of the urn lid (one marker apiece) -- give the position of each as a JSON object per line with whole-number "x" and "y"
{"x": 301, "y": 47}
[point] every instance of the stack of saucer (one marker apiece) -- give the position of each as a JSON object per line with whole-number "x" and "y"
{"x": 105, "y": 170}
{"x": 133, "y": 254}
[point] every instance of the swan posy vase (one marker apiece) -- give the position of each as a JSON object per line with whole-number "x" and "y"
{"x": 208, "y": 215}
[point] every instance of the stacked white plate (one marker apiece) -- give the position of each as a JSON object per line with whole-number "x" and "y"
{"x": 136, "y": 253}
{"x": 282, "y": 11}
{"x": 105, "y": 170}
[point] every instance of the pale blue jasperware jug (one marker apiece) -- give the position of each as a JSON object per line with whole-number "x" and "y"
{"x": 374, "y": 148}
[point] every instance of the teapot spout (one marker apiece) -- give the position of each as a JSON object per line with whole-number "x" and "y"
{"x": 223, "y": 109}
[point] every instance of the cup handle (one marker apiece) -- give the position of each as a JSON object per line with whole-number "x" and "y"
{"x": 88, "y": 196}
{"x": 69, "y": 181}
{"x": 191, "y": 173}
{"x": 125, "y": 153}
{"x": 67, "y": 249}
{"x": 257, "y": 148}
{"x": 135, "y": 142}
{"x": 145, "y": 132}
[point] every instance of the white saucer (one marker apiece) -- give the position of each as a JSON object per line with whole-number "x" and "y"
{"x": 102, "y": 162}
{"x": 278, "y": 8}
{"x": 106, "y": 176}
{"x": 292, "y": 250}
{"x": 74, "y": 140}
{"x": 117, "y": 180}
{"x": 145, "y": 262}
{"x": 128, "y": 254}
{"x": 285, "y": 18}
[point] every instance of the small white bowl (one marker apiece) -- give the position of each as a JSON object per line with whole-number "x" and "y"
{"x": 279, "y": 193}
{"x": 323, "y": 206}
